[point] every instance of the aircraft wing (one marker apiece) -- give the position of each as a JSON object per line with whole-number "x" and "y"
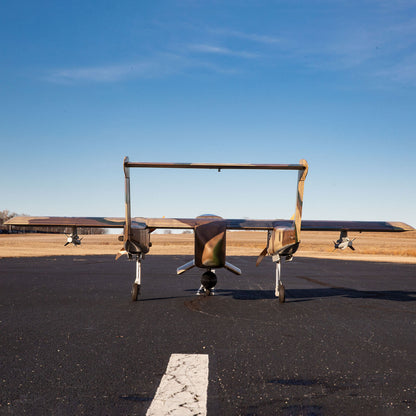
{"x": 307, "y": 225}
{"x": 99, "y": 222}
{"x": 141, "y": 222}
{"x": 231, "y": 224}
{"x": 369, "y": 226}
{"x": 191, "y": 223}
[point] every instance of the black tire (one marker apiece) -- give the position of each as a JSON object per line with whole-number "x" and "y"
{"x": 208, "y": 280}
{"x": 282, "y": 295}
{"x": 135, "y": 290}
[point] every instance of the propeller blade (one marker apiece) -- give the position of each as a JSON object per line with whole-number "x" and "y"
{"x": 121, "y": 253}
{"x": 261, "y": 256}
{"x": 351, "y": 247}
{"x": 66, "y": 244}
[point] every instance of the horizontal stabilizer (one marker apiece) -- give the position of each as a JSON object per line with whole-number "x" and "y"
{"x": 232, "y": 268}
{"x": 186, "y": 267}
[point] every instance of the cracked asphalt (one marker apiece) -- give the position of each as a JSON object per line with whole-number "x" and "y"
{"x": 72, "y": 343}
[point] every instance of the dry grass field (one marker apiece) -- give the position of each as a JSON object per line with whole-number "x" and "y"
{"x": 397, "y": 247}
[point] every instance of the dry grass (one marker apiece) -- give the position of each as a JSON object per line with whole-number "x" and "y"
{"x": 398, "y": 247}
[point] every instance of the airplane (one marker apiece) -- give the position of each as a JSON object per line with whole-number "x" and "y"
{"x": 282, "y": 239}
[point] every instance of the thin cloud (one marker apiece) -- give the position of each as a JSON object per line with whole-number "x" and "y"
{"x": 403, "y": 72}
{"x": 109, "y": 73}
{"x": 159, "y": 66}
{"x": 384, "y": 48}
{"x": 150, "y": 68}
{"x": 219, "y": 50}
{"x": 381, "y": 49}
{"x": 265, "y": 39}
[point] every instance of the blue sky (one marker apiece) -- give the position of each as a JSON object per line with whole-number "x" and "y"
{"x": 85, "y": 83}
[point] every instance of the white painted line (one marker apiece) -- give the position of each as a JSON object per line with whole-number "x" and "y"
{"x": 183, "y": 388}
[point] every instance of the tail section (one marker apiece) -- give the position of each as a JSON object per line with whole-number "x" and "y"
{"x": 299, "y": 198}
{"x": 136, "y": 236}
{"x": 127, "y": 202}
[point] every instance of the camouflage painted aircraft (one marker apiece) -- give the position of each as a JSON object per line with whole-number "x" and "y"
{"x": 283, "y": 236}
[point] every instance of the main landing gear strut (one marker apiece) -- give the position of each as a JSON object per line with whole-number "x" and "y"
{"x": 279, "y": 288}
{"x": 135, "y": 290}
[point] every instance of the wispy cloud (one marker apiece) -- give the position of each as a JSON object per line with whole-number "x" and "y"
{"x": 403, "y": 72}
{"x": 157, "y": 66}
{"x": 388, "y": 52}
{"x": 103, "y": 73}
{"x": 152, "y": 67}
{"x": 219, "y": 50}
{"x": 254, "y": 37}
{"x": 383, "y": 47}
{"x": 380, "y": 46}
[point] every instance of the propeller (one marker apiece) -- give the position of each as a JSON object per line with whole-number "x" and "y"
{"x": 130, "y": 248}
{"x": 73, "y": 238}
{"x": 343, "y": 242}
{"x": 121, "y": 252}
{"x": 261, "y": 256}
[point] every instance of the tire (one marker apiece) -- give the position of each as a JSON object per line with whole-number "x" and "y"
{"x": 282, "y": 295}
{"x": 135, "y": 290}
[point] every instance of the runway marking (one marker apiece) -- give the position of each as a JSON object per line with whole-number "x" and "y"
{"x": 183, "y": 388}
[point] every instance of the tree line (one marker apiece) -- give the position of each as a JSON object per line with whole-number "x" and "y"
{"x": 6, "y": 215}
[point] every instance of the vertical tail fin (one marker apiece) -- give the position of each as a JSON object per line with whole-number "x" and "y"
{"x": 299, "y": 197}
{"x": 127, "y": 226}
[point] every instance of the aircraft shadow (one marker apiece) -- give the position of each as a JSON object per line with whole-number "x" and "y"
{"x": 392, "y": 295}
{"x": 303, "y": 295}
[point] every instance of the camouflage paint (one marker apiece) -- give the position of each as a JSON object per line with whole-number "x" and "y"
{"x": 191, "y": 223}
{"x": 210, "y": 244}
{"x": 299, "y": 198}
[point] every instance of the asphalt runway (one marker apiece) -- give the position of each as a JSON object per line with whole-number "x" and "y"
{"x": 72, "y": 343}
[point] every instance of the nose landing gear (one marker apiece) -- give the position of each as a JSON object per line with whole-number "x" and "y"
{"x": 208, "y": 282}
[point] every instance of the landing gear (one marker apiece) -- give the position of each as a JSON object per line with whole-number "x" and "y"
{"x": 279, "y": 288}
{"x": 135, "y": 290}
{"x": 281, "y": 293}
{"x": 205, "y": 292}
{"x": 208, "y": 282}
{"x": 200, "y": 291}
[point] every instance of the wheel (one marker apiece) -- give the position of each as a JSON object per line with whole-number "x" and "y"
{"x": 208, "y": 280}
{"x": 135, "y": 291}
{"x": 281, "y": 293}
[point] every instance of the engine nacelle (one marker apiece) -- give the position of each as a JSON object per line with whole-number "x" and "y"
{"x": 282, "y": 240}
{"x": 138, "y": 242}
